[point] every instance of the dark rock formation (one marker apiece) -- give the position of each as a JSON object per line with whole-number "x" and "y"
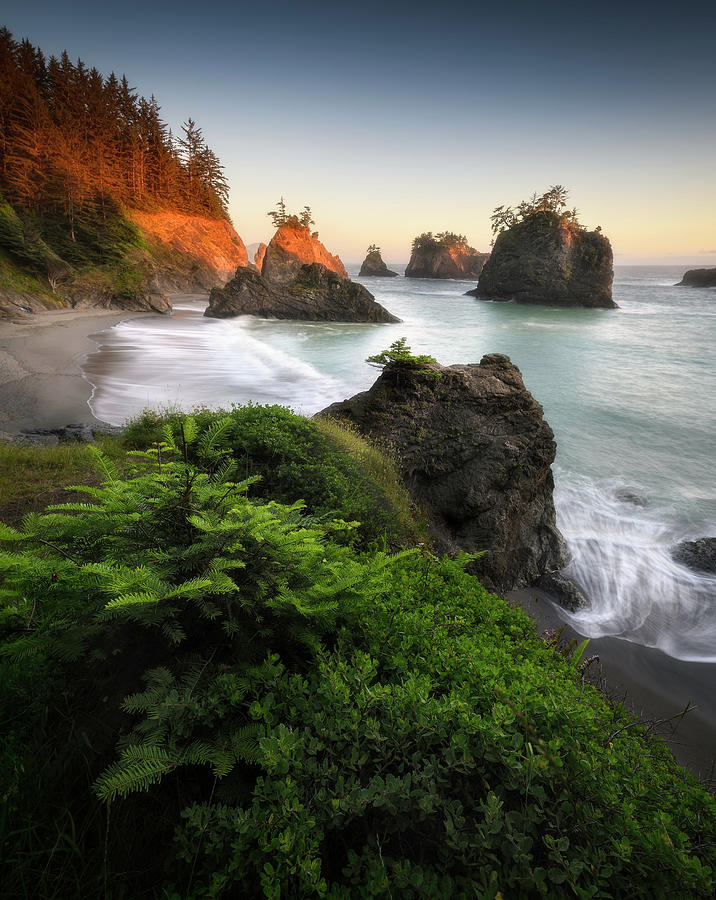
{"x": 314, "y": 294}
{"x": 373, "y": 265}
{"x": 698, "y": 555}
{"x": 475, "y": 453}
{"x": 549, "y": 260}
{"x": 294, "y": 246}
{"x": 631, "y": 498}
{"x": 562, "y": 591}
{"x": 437, "y": 259}
{"x": 699, "y": 278}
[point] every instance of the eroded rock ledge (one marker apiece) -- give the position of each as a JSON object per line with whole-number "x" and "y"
{"x": 314, "y": 294}
{"x": 475, "y": 453}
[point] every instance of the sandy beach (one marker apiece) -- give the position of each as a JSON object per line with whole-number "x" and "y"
{"x": 41, "y": 381}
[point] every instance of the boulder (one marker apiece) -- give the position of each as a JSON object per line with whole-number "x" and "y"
{"x": 563, "y": 591}
{"x": 548, "y": 259}
{"x": 373, "y": 265}
{"x": 698, "y": 555}
{"x": 294, "y": 246}
{"x": 433, "y": 258}
{"x": 314, "y": 294}
{"x": 475, "y": 453}
{"x": 699, "y": 278}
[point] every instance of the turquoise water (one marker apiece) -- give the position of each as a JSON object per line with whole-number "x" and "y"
{"x": 629, "y": 393}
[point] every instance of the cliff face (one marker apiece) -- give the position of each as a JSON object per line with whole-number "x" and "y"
{"x": 294, "y": 246}
{"x": 373, "y": 265}
{"x": 549, "y": 260}
{"x": 699, "y": 278}
{"x": 314, "y": 294}
{"x": 438, "y": 261}
{"x": 475, "y": 453}
{"x": 161, "y": 253}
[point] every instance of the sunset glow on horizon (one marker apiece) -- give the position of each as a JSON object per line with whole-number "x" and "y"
{"x": 393, "y": 121}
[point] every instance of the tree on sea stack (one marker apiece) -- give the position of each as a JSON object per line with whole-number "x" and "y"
{"x": 542, "y": 254}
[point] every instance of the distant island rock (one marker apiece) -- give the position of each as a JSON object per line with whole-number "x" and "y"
{"x": 475, "y": 452}
{"x": 699, "y": 278}
{"x": 314, "y": 294}
{"x": 549, "y": 259}
{"x": 373, "y": 265}
{"x": 445, "y": 255}
{"x": 294, "y": 246}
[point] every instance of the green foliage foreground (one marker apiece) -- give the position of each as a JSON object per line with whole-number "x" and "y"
{"x": 208, "y": 695}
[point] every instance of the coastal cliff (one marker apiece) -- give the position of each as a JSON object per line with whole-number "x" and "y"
{"x": 474, "y": 452}
{"x": 446, "y": 255}
{"x": 549, "y": 259}
{"x": 314, "y": 294}
{"x": 699, "y": 278}
{"x": 294, "y": 246}
{"x": 373, "y": 265}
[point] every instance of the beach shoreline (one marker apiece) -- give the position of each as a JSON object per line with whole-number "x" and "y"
{"x": 41, "y": 380}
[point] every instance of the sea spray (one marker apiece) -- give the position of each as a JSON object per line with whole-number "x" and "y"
{"x": 621, "y": 559}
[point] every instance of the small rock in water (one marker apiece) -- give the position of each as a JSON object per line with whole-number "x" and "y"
{"x": 698, "y": 555}
{"x": 626, "y": 495}
{"x": 563, "y": 591}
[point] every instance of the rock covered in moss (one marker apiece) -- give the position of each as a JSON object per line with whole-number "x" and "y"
{"x": 475, "y": 453}
{"x": 548, "y": 259}
{"x": 314, "y": 294}
{"x": 373, "y": 265}
{"x": 293, "y": 246}
{"x": 699, "y": 278}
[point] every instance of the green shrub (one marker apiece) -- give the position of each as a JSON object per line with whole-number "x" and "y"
{"x": 205, "y": 695}
{"x": 334, "y": 471}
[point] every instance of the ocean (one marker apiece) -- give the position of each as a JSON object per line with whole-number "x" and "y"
{"x": 630, "y": 395}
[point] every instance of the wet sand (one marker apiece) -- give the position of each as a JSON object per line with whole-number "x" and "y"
{"x": 650, "y": 684}
{"x": 41, "y": 381}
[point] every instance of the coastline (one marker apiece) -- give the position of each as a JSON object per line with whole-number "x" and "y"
{"x": 41, "y": 380}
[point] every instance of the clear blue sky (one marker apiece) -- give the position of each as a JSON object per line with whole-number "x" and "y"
{"x": 392, "y": 119}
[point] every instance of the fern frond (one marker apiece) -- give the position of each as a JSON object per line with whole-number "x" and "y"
{"x": 140, "y": 767}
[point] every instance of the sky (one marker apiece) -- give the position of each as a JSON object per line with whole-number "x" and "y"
{"x": 391, "y": 119}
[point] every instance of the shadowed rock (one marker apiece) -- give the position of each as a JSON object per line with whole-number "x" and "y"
{"x": 699, "y": 278}
{"x": 698, "y": 555}
{"x": 373, "y": 265}
{"x": 314, "y": 294}
{"x": 547, "y": 259}
{"x": 475, "y": 453}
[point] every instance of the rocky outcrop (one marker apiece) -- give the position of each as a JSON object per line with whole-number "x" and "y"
{"x": 314, "y": 294}
{"x": 698, "y": 555}
{"x": 259, "y": 256}
{"x": 439, "y": 259}
{"x": 373, "y": 266}
{"x": 699, "y": 278}
{"x": 550, "y": 260}
{"x": 294, "y": 246}
{"x": 475, "y": 453}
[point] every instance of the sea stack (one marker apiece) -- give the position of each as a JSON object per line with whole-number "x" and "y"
{"x": 295, "y": 245}
{"x": 475, "y": 452}
{"x": 548, "y": 258}
{"x": 314, "y": 294}
{"x": 699, "y": 278}
{"x": 445, "y": 255}
{"x": 374, "y": 266}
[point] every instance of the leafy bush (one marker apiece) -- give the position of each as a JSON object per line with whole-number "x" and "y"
{"x": 205, "y": 695}
{"x": 334, "y": 471}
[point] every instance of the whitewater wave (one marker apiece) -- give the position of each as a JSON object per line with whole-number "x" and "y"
{"x": 621, "y": 559}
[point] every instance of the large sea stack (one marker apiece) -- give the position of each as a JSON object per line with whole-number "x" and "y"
{"x": 374, "y": 266}
{"x": 314, "y": 294}
{"x": 699, "y": 278}
{"x": 549, "y": 259}
{"x": 475, "y": 453}
{"x": 293, "y": 246}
